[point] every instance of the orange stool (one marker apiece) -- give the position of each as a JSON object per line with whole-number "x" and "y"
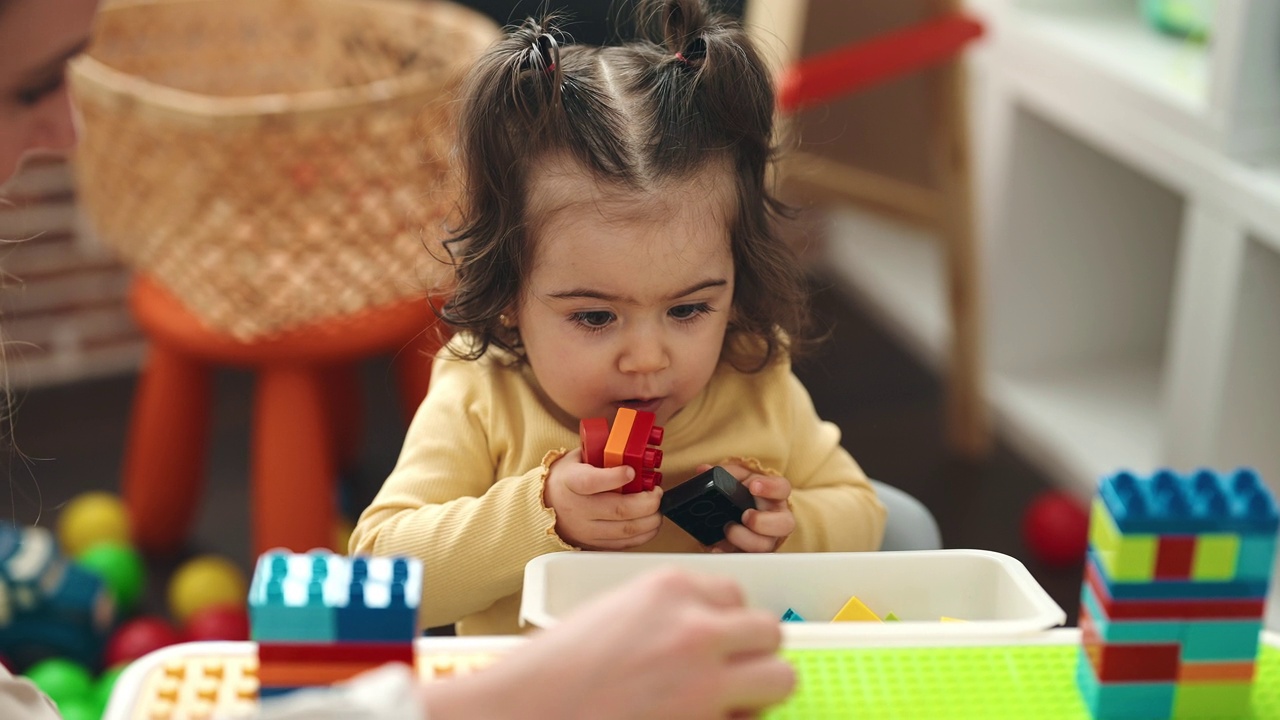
{"x": 305, "y": 413}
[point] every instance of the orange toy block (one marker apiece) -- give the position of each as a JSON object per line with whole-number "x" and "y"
{"x": 618, "y": 435}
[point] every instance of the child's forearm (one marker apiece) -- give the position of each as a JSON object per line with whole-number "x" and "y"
{"x": 474, "y": 549}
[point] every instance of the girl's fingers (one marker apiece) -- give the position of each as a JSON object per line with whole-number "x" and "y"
{"x": 747, "y": 541}
{"x": 776, "y": 525}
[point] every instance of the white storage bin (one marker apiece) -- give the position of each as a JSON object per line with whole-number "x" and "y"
{"x": 994, "y": 593}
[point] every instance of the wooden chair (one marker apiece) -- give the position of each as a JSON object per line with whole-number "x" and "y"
{"x": 946, "y": 206}
{"x": 305, "y": 415}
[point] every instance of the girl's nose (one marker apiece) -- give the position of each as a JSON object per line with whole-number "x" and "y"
{"x": 646, "y": 352}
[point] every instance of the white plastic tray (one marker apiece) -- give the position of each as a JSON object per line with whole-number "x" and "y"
{"x": 994, "y": 593}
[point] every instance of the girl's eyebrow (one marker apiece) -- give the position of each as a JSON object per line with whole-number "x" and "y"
{"x": 588, "y": 293}
{"x": 55, "y": 65}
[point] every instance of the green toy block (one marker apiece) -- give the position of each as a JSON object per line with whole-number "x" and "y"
{"x": 1126, "y": 558}
{"x": 1257, "y": 553}
{"x": 1215, "y": 556}
{"x": 1211, "y": 700}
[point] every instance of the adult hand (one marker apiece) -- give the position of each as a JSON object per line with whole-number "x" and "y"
{"x": 590, "y": 514}
{"x": 665, "y": 645}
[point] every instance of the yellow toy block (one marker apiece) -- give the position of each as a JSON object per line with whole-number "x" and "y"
{"x": 855, "y": 611}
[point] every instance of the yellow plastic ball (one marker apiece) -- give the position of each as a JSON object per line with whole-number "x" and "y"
{"x": 203, "y": 582}
{"x": 342, "y": 535}
{"x": 90, "y": 519}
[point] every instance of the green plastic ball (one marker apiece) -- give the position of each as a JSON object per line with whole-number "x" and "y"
{"x": 79, "y": 709}
{"x": 105, "y": 684}
{"x": 62, "y": 680}
{"x": 121, "y": 568}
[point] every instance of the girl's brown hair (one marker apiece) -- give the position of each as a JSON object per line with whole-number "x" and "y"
{"x": 692, "y": 92}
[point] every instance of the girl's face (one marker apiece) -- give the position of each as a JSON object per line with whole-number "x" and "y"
{"x": 37, "y": 38}
{"x": 629, "y": 294}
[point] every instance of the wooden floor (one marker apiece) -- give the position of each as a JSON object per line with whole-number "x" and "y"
{"x": 886, "y": 403}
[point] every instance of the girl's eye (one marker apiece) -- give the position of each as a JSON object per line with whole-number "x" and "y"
{"x": 687, "y": 313}
{"x": 33, "y": 95}
{"x": 593, "y": 319}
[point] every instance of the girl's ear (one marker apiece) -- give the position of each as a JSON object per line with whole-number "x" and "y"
{"x": 508, "y": 318}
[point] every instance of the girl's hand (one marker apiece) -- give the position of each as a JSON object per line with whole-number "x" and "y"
{"x": 763, "y": 529}
{"x": 590, "y": 514}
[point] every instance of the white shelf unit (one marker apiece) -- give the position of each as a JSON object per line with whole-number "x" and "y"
{"x": 1131, "y": 257}
{"x": 1224, "y": 94}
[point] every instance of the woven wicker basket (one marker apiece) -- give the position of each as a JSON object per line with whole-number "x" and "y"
{"x": 274, "y": 162}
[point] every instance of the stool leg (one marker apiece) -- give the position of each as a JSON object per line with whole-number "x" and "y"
{"x": 413, "y": 369}
{"x": 293, "y": 463}
{"x": 345, "y": 411}
{"x": 164, "y": 462}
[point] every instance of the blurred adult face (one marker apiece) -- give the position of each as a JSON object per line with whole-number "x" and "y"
{"x": 38, "y": 38}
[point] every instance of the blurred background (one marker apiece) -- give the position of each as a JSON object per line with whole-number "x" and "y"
{"x": 1060, "y": 260}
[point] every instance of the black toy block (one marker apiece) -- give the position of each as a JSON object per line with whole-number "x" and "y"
{"x": 704, "y": 504}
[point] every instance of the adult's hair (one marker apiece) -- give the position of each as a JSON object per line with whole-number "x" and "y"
{"x": 692, "y": 93}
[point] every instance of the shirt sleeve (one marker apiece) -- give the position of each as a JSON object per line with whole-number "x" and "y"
{"x": 835, "y": 506}
{"x": 442, "y": 504}
{"x": 22, "y": 700}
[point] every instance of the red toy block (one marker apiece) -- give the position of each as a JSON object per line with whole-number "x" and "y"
{"x": 338, "y": 652}
{"x": 594, "y": 433}
{"x": 1169, "y": 609}
{"x": 1126, "y": 662}
{"x": 1173, "y": 557}
{"x": 625, "y": 444}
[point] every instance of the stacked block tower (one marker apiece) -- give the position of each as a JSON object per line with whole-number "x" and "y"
{"x": 1174, "y": 594}
{"x": 320, "y": 618}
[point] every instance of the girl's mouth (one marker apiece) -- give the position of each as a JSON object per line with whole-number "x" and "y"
{"x": 642, "y": 404}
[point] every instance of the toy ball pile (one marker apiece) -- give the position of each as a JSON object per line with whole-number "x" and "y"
{"x": 69, "y": 616}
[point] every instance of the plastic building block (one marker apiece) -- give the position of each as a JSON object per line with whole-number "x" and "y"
{"x": 1126, "y": 557}
{"x": 1180, "y": 589}
{"x": 791, "y": 616}
{"x": 1119, "y": 609}
{"x": 1195, "y": 672}
{"x": 1173, "y": 557}
{"x": 1221, "y": 640}
{"x": 49, "y": 607}
{"x": 594, "y": 433}
{"x": 619, "y": 432}
{"x": 1132, "y": 700}
{"x": 1257, "y": 553}
{"x": 1129, "y": 662}
{"x": 1201, "y": 502}
{"x": 706, "y": 503}
{"x": 338, "y": 652}
{"x": 891, "y": 617}
{"x": 323, "y": 597}
{"x": 855, "y": 611}
{"x": 199, "y": 686}
{"x": 1216, "y": 700}
{"x": 1215, "y": 556}
{"x": 625, "y": 444}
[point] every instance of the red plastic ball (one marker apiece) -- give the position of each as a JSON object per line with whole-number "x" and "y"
{"x": 1055, "y": 528}
{"x": 139, "y": 637}
{"x": 219, "y": 622}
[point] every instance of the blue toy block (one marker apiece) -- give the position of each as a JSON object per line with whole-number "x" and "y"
{"x": 322, "y": 597}
{"x": 1122, "y": 701}
{"x": 703, "y": 505}
{"x": 1257, "y": 555}
{"x": 382, "y": 600}
{"x": 49, "y": 607}
{"x": 1203, "y": 501}
{"x": 1221, "y": 640}
{"x": 1181, "y": 589}
{"x": 1129, "y": 631}
{"x": 791, "y": 616}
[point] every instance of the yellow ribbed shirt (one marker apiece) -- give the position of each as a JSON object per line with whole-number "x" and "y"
{"x": 466, "y": 493}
